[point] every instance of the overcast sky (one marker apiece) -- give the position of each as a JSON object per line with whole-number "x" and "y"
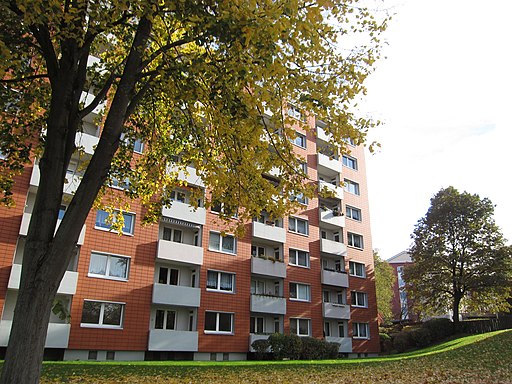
{"x": 444, "y": 96}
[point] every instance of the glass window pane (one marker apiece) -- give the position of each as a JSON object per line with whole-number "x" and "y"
{"x": 174, "y": 277}
{"x": 291, "y": 224}
{"x": 228, "y": 244}
{"x": 128, "y": 223}
{"x": 303, "y": 327}
{"x": 177, "y": 236}
{"x": 162, "y": 275}
{"x": 293, "y": 326}
{"x": 301, "y": 226}
{"x": 112, "y": 314}
{"x": 293, "y": 290}
{"x": 98, "y": 264}
{"x": 118, "y": 267}
{"x": 91, "y": 312}
{"x": 171, "y": 319}
{"x": 167, "y": 234}
{"x": 211, "y": 279}
{"x": 214, "y": 241}
{"x": 101, "y": 219}
{"x": 224, "y": 322}
{"x": 210, "y": 321}
{"x": 159, "y": 319}
{"x": 303, "y": 292}
{"x": 226, "y": 282}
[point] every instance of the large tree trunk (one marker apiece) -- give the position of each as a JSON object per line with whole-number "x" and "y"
{"x": 456, "y": 304}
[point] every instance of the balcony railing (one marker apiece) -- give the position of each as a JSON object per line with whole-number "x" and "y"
{"x": 67, "y": 285}
{"x": 25, "y": 221}
{"x": 268, "y": 304}
{"x": 183, "y": 253}
{"x": 336, "y": 311}
{"x": 170, "y": 340}
{"x": 336, "y": 191}
{"x": 328, "y": 165}
{"x": 333, "y": 247}
{"x": 190, "y": 176}
{"x": 269, "y": 232}
{"x": 344, "y": 342}
{"x": 256, "y": 336}
{"x": 334, "y": 278}
{"x": 268, "y": 267}
{"x": 331, "y": 218}
{"x": 57, "y": 335}
{"x": 176, "y": 295}
{"x": 185, "y": 212}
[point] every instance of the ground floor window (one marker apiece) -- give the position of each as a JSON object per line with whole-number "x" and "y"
{"x": 300, "y": 327}
{"x": 361, "y": 331}
{"x": 218, "y": 322}
{"x": 102, "y": 314}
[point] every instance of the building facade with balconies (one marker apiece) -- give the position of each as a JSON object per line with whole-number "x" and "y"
{"x": 188, "y": 289}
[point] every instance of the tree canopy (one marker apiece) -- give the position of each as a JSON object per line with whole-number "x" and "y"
{"x": 384, "y": 282}
{"x": 459, "y": 257}
{"x": 223, "y": 85}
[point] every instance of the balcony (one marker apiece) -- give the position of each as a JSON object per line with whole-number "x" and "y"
{"x": 25, "y": 221}
{"x": 256, "y": 336}
{"x": 168, "y": 340}
{"x": 333, "y": 247}
{"x": 268, "y": 232}
{"x": 336, "y": 191}
{"x": 331, "y": 219}
{"x": 268, "y": 267}
{"x": 86, "y": 141}
{"x": 345, "y": 343}
{"x": 57, "y": 335}
{"x": 67, "y": 285}
{"x": 73, "y": 180}
{"x": 336, "y": 311}
{"x": 337, "y": 279}
{"x": 183, "y": 253}
{"x": 176, "y": 295}
{"x": 327, "y": 165}
{"x": 322, "y": 135}
{"x": 190, "y": 176}
{"x": 268, "y": 304}
{"x": 185, "y": 212}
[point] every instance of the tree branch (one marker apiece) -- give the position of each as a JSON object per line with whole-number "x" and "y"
{"x": 100, "y": 96}
{"x": 27, "y": 78}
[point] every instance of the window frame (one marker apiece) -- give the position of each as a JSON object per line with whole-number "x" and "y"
{"x": 300, "y": 140}
{"x": 108, "y": 228}
{"x": 165, "y": 319}
{"x": 109, "y": 256}
{"x": 217, "y": 323}
{"x": 356, "y": 297}
{"x": 297, "y": 264}
{"x": 296, "y": 220}
{"x": 349, "y": 162}
{"x": 297, "y": 291}
{"x": 221, "y": 243}
{"x": 351, "y": 187}
{"x": 349, "y": 212}
{"x": 297, "y": 321}
{"x": 356, "y": 335}
{"x": 219, "y": 281}
{"x": 350, "y": 240}
{"x": 101, "y": 316}
{"x": 353, "y": 271}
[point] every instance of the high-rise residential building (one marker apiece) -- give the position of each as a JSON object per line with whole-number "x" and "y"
{"x": 183, "y": 289}
{"x": 401, "y": 304}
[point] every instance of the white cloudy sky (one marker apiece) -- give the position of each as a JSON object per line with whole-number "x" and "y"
{"x": 444, "y": 95}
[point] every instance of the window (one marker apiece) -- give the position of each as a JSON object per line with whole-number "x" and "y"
{"x": 121, "y": 184}
{"x": 165, "y": 319}
{"x": 359, "y": 299}
{"x": 299, "y": 140}
{"x": 179, "y": 196}
{"x": 298, "y": 225}
{"x": 256, "y": 325}
{"x": 352, "y": 187}
{"x": 341, "y": 329}
{"x": 62, "y": 211}
{"x": 300, "y": 292}
{"x": 400, "y": 275}
{"x": 356, "y": 269}
{"x": 361, "y": 331}
{"x": 109, "y": 266}
{"x": 350, "y": 141}
{"x": 102, "y": 221}
{"x": 299, "y": 198}
{"x": 355, "y": 240}
{"x": 168, "y": 276}
{"x": 172, "y": 234}
{"x": 340, "y": 297}
{"x": 303, "y": 167}
{"x": 299, "y": 327}
{"x": 295, "y": 112}
{"x": 257, "y": 251}
{"x": 299, "y": 258}
{"x": 349, "y": 162}
{"x": 218, "y": 322}
{"x": 102, "y": 314}
{"x": 327, "y": 329}
{"x": 226, "y": 209}
{"x": 220, "y": 243}
{"x": 353, "y": 213}
{"x": 138, "y": 146}
{"x": 220, "y": 281}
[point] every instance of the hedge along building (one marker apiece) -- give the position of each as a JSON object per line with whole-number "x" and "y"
{"x": 185, "y": 289}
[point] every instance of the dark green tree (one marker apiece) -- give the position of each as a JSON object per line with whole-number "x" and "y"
{"x": 384, "y": 281}
{"x": 459, "y": 257}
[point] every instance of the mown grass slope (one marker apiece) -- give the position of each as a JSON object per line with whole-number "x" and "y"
{"x": 483, "y": 358}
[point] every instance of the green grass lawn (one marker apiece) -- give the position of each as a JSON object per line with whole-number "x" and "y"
{"x": 483, "y": 358}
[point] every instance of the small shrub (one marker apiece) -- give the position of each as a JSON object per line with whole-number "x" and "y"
{"x": 439, "y": 328}
{"x": 312, "y": 349}
{"x": 261, "y": 348}
{"x": 285, "y": 346}
{"x": 402, "y": 341}
{"x": 386, "y": 343}
{"x": 421, "y": 337}
{"x": 331, "y": 350}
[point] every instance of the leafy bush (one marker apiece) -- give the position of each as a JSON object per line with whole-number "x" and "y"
{"x": 421, "y": 337}
{"x": 439, "y": 328}
{"x": 285, "y": 346}
{"x": 331, "y": 350}
{"x": 312, "y": 349}
{"x": 402, "y": 341}
{"x": 261, "y": 348}
{"x": 386, "y": 343}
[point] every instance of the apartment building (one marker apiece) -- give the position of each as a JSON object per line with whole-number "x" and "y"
{"x": 181, "y": 290}
{"x": 401, "y": 304}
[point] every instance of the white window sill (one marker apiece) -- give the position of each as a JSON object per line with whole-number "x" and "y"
{"x": 300, "y": 266}
{"x": 225, "y": 253}
{"x": 219, "y": 333}
{"x": 106, "y": 277}
{"x": 299, "y": 233}
{"x": 219, "y": 291}
{"x": 112, "y": 231}
{"x": 99, "y": 326}
{"x": 301, "y": 300}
